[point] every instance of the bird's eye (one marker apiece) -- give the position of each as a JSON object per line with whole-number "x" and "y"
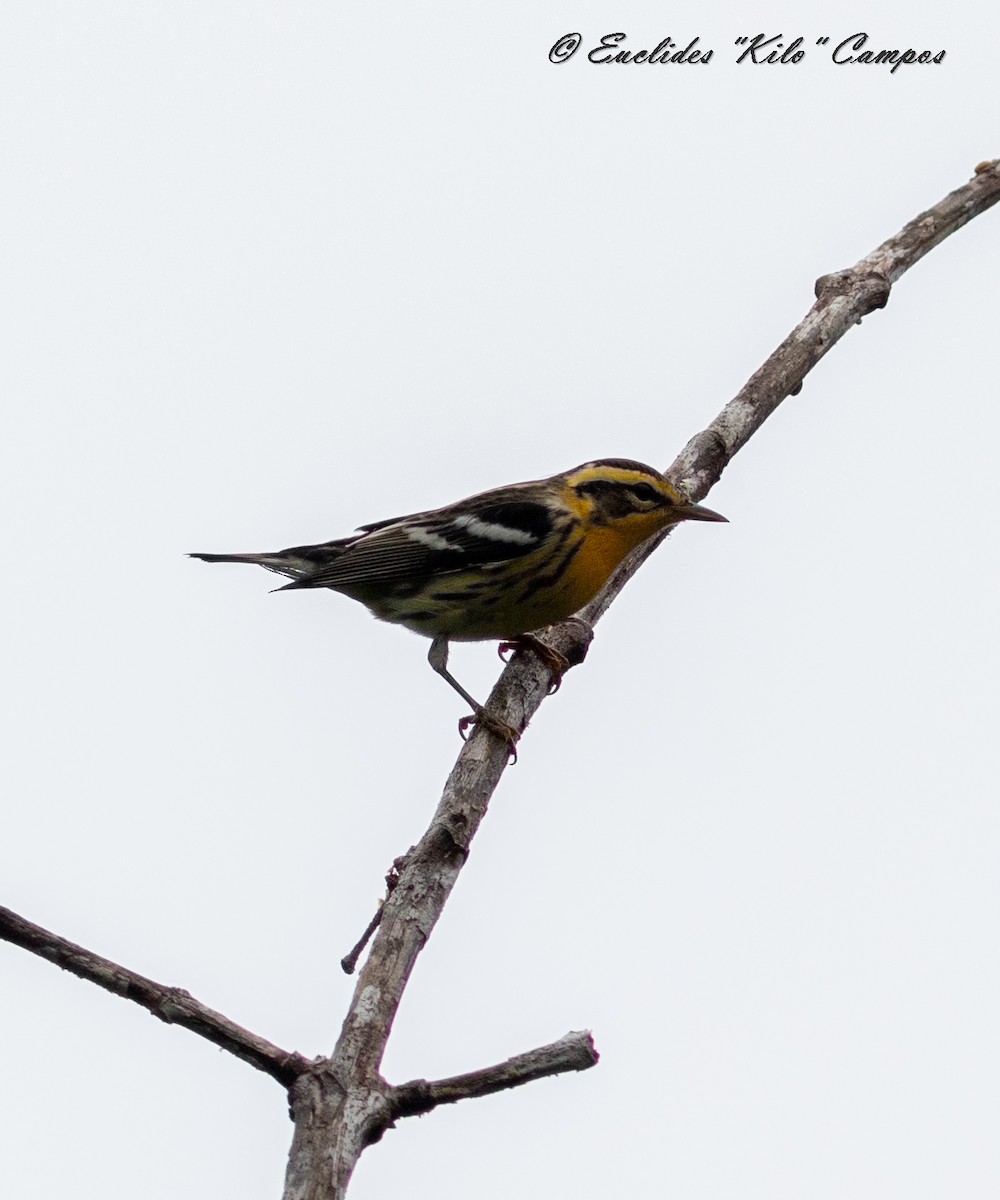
{"x": 645, "y": 491}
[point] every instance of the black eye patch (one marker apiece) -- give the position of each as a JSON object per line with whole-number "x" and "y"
{"x": 645, "y": 492}
{"x": 596, "y": 487}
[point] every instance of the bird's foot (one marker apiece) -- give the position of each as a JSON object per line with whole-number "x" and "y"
{"x": 558, "y": 664}
{"x": 498, "y": 728}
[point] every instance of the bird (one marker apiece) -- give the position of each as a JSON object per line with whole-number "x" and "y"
{"x": 500, "y": 565}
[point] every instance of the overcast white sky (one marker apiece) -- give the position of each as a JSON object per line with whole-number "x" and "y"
{"x": 274, "y": 270}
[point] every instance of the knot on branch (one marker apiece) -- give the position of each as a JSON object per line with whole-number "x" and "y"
{"x": 173, "y": 1004}
{"x": 572, "y": 639}
{"x": 700, "y": 464}
{"x": 314, "y": 1094}
{"x": 449, "y": 836}
{"x": 870, "y": 288}
{"x": 323, "y": 1109}
{"x": 414, "y": 1099}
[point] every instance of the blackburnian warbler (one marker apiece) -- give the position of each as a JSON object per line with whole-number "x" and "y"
{"x": 498, "y": 565}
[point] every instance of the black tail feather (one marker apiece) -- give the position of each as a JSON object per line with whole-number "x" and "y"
{"x": 242, "y": 558}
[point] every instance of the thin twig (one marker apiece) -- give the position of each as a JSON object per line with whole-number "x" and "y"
{"x": 350, "y": 961}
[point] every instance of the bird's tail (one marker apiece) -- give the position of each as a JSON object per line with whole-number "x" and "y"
{"x": 298, "y": 563}
{"x": 259, "y": 559}
{"x": 282, "y": 563}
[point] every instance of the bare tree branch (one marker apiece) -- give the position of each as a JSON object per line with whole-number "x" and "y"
{"x": 342, "y": 1104}
{"x": 169, "y": 1004}
{"x": 432, "y": 866}
{"x": 574, "y": 1052}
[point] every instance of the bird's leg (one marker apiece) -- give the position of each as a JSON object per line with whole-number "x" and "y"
{"x": 437, "y": 656}
{"x": 558, "y": 664}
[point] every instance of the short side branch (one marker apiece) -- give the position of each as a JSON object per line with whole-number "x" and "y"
{"x": 172, "y": 1005}
{"x": 574, "y": 1052}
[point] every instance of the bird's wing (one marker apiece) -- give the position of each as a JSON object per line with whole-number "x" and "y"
{"x": 437, "y": 543}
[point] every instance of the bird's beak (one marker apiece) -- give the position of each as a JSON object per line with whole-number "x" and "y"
{"x": 698, "y": 512}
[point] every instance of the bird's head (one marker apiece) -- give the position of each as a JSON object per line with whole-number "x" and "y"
{"x": 630, "y": 496}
